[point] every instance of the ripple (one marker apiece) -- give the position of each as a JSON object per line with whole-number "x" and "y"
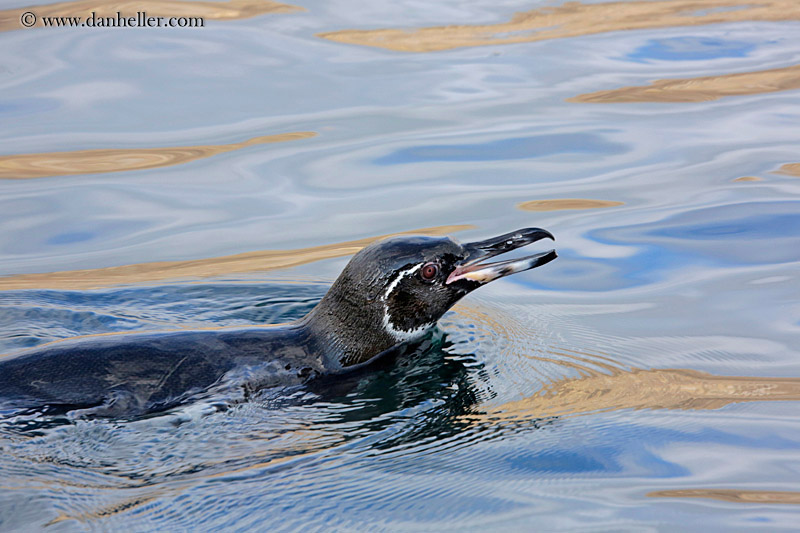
{"x": 523, "y": 343}
{"x": 566, "y": 380}
{"x": 33, "y": 317}
{"x": 647, "y": 389}
{"x": 484, "y": 406}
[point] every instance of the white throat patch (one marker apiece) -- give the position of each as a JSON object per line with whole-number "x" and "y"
{"x": 399, "y": 334}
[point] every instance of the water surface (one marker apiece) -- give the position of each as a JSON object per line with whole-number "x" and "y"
{"x": 157, "y": 179}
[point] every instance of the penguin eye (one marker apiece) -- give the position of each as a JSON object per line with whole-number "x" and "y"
{"x": 429, "y": 271}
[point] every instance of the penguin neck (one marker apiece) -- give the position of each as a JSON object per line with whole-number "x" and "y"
{"x": 347, "y": 332}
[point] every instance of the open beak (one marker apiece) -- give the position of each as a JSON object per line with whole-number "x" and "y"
{"x": 475, "y": 268}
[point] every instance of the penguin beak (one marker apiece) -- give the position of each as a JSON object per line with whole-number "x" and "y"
{"x": 475, "y": 268}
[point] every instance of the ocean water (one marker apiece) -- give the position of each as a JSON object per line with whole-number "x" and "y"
{"x": 157, "y": 178}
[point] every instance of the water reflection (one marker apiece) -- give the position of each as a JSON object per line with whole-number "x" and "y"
{"x": 506, "y": 149}
{"x": 624, "y": 370}
{"x": 643, "y": 389}
{"x": 566, "y": 380}
{"x": 450, "y": 406}
{"x": 691, "y": 49}
{"x": 161, "y": 458}
{"x": 790, "y": 169}
{"x": 261, "y": 261}
{"x": 733, "y": 495}
{"x": 561, "y": 204}
{"x": 25, "y": 166}
{"x": 429, "y": 401}
{"x": 726, "y": 235}
{"x": 229, "y": 10}
{"x": 702, "y": 89}
{"x": 572, "y": 19}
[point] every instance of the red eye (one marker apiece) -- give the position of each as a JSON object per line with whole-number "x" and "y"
{"x": 429, "y": 271}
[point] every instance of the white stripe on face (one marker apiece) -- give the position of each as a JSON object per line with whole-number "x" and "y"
{"x": 399, "y": 334}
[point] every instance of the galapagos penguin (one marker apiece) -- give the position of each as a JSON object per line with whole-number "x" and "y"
{"x": 389, "y": 294}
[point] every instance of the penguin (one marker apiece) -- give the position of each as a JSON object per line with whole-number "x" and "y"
{"x": 389, "y": 295}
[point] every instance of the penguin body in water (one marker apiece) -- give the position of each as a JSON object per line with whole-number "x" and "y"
{"x": 389, "y": 294}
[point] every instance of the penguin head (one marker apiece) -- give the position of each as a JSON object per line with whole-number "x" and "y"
{"x": 418, "y": 279}
{"x": 394, "y": 290}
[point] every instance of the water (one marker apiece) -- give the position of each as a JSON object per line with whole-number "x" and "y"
{"x": 154, "y": 179}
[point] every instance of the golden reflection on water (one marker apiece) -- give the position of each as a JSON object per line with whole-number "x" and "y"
{"x": 732, "y": 495}
{"x": 749, "y": 178}
{"x": 259, "y": 261}
{"x": 625, "y": 389}
{"x": 24, "y": 166}
{"x": 152, "y": 493}
{"x": 230, "y": 10}
{"x": 572, "y": 19}
{"x": 789, "y": 169}
{"x": 123, "y": 506}
{"x": 562, "y": 204}
{"x": 604, "y": 384}
{"x": 676, "y": 389}
{"x": 702, "y": 89}
{"x": 635, "y": 389}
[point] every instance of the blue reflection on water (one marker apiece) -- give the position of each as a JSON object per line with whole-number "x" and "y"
{"x": 505, "y": 149}
{"x": 565, "y": 461}
{"x": 32, "y": 317}
{"x": 71, "y": 237}
{"x": 691, "y": 49}
{"x": 26, "y": 106}
{"x": 765, "y": 226}
{"x": 728, "y": 235}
